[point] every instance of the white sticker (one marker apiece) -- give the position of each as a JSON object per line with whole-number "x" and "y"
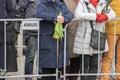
{"x": 30, "y": 25}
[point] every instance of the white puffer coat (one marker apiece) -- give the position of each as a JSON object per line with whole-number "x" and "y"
{"x": 82, "y": 39}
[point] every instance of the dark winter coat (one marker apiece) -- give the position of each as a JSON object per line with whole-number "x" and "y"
{"x": 28, "y": 9}
{"x": 11, "y": 57}
{"x": 49, "y": 11}
{"x": 7, "y": 11}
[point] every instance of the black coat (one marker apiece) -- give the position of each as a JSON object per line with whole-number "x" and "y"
{"x": 7, "y": 11}
{"x": 11, "y": 58}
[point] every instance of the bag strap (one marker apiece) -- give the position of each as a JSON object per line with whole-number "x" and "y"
{"x": 91, "y": 22}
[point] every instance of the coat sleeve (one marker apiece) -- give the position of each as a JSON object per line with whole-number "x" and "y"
{"x": 111, "y": 14}
{"x": 43, "y": 14}
{"x": 11, "y": 8}
{"x": 22, "y": 5}
{"x": 82, "y": 14}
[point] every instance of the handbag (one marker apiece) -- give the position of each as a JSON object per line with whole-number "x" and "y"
{"x": 98, "y": 39}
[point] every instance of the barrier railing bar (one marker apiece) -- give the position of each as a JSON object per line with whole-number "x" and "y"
{"x": 38, "y": 75}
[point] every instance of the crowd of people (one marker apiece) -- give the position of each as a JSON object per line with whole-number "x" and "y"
{"x": 79, "y": 16}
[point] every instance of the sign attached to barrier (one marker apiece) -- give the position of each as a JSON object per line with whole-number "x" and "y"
{"x": 30, "y": 25}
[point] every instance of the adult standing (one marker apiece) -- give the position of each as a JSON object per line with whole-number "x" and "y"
{"x": 112, "y": 31}
{"x": 7, "y": 11}
{"x": 89, "y": 14}
{"x": 72, "y": 28}
{"x": 28, "y": 9}
{"x": 49, "y": 11}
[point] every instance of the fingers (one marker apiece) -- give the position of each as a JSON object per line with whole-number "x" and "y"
{"x": 60, "y": 19}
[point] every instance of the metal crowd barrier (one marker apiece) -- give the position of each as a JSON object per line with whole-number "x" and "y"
{"x": 21, "y": 46}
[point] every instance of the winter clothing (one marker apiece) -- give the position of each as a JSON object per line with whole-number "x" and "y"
{"x": 29, "y": 9}
{"x": 112, "y": 41}
{"x": 10, "y": 6}
{"x": 71, "y": 4}
{"x": 94, "y": 2}
{"x": 74, "y": 58}
{"x": 82, "y": 39}
{"x": 72, "y": 27}
{"x": 7, "y": 10}
{"x": 110, "y": 29}
{"x": 49, "y": 60}
{"x": 48, "y": 11}
{"x": 101, "y": 17}
{"x": 11, "y": 37}
{"x": 87, "y": 12}
{"x": 29, "y": 6}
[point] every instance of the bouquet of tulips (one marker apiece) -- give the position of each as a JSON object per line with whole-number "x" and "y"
{"x": 58, "y": 34}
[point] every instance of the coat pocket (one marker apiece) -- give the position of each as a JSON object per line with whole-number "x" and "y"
{"x": 46, "y": 41}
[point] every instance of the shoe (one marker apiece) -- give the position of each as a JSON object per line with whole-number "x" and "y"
{"x": 2, "y": 72}
{"x": 28, "y": 78}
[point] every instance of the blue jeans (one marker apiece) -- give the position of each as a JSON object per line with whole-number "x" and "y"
{"x": 31, "y": 43}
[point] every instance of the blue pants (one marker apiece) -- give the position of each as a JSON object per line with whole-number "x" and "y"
{"x": 31, "y": 43}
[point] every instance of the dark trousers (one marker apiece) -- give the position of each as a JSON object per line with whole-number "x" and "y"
{"x": 53, "y": 71}
{"x": 90, "y": 66}
{"x": 2, "y": 57}
{"x": 74, "y": 67}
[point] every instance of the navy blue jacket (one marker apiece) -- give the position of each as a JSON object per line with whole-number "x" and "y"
{"x": 48, "y": 11}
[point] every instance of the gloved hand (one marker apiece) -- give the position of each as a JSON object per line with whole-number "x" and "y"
{"x": 94, "y": 2}
{"x": 101, "y": 17}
